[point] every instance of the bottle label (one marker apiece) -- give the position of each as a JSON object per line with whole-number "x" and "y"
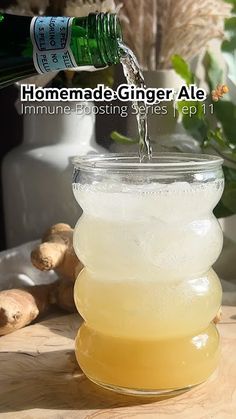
{"x": 51, "y": 37}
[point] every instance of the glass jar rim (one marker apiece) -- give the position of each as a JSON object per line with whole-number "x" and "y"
{"x": 161, "y": 162}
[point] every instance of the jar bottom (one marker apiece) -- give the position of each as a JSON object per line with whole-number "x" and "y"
{"x": 141, "y": 392}
{"x": 147, "y": 368}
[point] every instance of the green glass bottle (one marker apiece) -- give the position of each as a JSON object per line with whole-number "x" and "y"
{"x": 43, "y": 44}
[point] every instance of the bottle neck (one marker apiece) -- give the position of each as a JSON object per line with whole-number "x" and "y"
{"x": 108, "y": 37}
{"x": 96, "y": 39}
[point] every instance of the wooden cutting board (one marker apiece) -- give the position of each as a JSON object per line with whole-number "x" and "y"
{"x": 39, "y": 378}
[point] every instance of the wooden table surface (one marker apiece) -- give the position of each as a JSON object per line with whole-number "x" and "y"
{"x": 39, "y": 378}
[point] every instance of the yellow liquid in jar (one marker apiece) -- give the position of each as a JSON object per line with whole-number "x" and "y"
{"x": 147, "y": 309}
{"x": 133, "y": 339}
{"x": 147, "y": 365}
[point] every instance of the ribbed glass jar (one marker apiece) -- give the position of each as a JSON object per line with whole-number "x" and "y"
{"x": 148, "y": 294}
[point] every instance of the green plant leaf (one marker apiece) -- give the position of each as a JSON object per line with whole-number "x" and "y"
{"x": 196, "y": 124}
{"x": 230, "y": 26}
{"x": 226, "y": 114}
{"x": 214, "y": 74}
{"x": 221, "y": 211}
{"x": 229, "y": 53}
{"x": 122, "y": 139}
{"x": 217, "y": 136}
{"x": 233, "y": 2}
{"x": 229, "y": 196}
{"x": 230, "y": 173}
{"x": 182, "y": 69}
{"x": 227, "y": 205}
{"x": 229, "y": 47}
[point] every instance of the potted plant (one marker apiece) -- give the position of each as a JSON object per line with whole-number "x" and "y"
{"x": 157, "y": 29}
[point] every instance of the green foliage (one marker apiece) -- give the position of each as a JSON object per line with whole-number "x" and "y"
{"x": 233, "y": 2}
{"x": 194, "y": 124}
{"x": 229, "y": 197}
{"x": 122, "y": 139}
{"x": 225, "y": 112}
{"x": 182, "y": 68}
{"x": 214, "y": 74}
{"x": 218, "y": 133}
{"x": 229, "y": 46}
{"x": 227, "y": 205}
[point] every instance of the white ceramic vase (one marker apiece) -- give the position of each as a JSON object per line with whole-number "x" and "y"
{"x": 37, "y": 175}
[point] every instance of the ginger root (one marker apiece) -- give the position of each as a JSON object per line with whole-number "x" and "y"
{"x": 19, "y": 307}
{"x": 57, "y": 252}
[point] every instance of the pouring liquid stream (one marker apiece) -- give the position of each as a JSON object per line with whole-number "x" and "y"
{"x": 134, "y": 76}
